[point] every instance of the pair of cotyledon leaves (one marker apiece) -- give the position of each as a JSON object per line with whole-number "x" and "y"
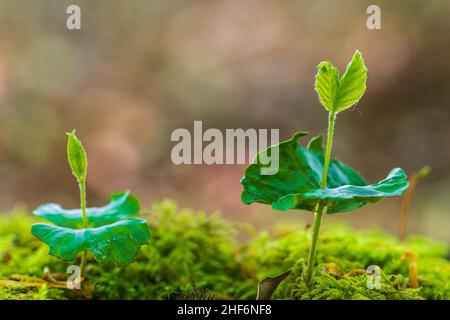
{"x": 297, "y": 184}
{"x": 110, "y": 235}
{"x": 107, "y": 231}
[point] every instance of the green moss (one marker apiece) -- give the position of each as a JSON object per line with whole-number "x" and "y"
{"x": 328, "y": 287}
{"x": 40, "y": 293}
{"x": 350, "y": 250}
{"x": 188, "y": 251}
{"x": 21, "y": 253}
{"x": 196, "y": 255}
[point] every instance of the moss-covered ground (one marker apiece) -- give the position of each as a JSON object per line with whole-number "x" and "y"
{"x": 195, "y": 255}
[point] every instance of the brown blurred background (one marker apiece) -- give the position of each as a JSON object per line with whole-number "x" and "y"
{"x": 139, "y": 69}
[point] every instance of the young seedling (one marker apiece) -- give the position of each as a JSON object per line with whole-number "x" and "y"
{"x": 308, "y": 178}
{"x": 406, "y": 201}
{"x": 107, "y": 232}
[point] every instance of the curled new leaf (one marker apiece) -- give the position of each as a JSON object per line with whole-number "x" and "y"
{"x": 296, "y": 185}
{"x": 118, "y": 242}
{"x": 77, "y": 157}
{"x": 122, "y": 205}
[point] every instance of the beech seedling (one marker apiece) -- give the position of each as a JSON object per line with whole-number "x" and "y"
{"x": 108, "y": 232}
{"x": 308, "y": 178}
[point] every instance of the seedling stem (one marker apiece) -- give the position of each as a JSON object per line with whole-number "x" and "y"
{"x": 82, "y": 185}
{"x": 320, "y": 206}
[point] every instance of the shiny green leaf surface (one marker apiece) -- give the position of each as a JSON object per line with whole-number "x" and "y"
{"x": 118, "y": 242}
{"x": 337, "y": 94}
{"x": 122, "y": 205}
{"x": 296, "y": 185}
{"x": 327, "y": 84}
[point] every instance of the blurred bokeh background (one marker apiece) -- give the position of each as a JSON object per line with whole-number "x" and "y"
{"x": 139, "y": 69}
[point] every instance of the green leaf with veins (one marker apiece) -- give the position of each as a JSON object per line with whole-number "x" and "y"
{"x": 77, "y": 157}
{"x": 297, "y": 184}
{"x": 118, "y": 242}
{"x": 122, "y": 205}
{"x": 337, "y": 94}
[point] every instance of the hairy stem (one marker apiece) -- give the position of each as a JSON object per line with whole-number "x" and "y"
{"x": 85, "y": 223}
{"x": 406, "y": 201}
{"x": 331, "y": 121}
{"x": 320, "y": 206}
{"x": 83, "y": 202}
{"x": 312, "y": 249}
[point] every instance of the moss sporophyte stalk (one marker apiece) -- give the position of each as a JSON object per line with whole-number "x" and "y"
{"x": 309, "y": 178}
{"x": 413, "y": 181}
{"x": 107, "y": 232}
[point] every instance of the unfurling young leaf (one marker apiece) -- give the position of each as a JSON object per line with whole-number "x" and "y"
{"x": 337, "y": 94}
{"x": 77, "y": 157}
{"x": 327, "y": 84}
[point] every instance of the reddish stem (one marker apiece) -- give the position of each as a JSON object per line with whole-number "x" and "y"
{"x": 405, "y": 208}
